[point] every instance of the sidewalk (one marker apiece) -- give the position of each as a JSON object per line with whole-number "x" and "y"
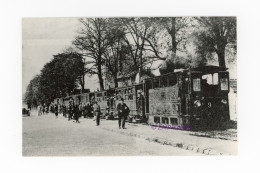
{"x": 177, "y": 138}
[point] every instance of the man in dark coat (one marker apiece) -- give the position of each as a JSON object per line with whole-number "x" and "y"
{"x": 140, "y": 105}
{"x": 77, "y": 112}
{"x": 56, "y": 110}
{"x": 123, "y": 112}
{"x": 70, "y": 110}
{"x": 88, "y": 110}
{"x": 64, "y": 110}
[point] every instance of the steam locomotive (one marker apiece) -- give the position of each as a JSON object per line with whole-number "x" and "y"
{"x": 194, "y": 97}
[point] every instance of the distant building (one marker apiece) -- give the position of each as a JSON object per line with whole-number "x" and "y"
{"x": 129, "y": 79}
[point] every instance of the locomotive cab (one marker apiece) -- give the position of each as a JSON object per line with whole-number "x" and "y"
{"x": 207, "y": 102}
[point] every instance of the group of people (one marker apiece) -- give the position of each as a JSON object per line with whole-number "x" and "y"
{"x": 42, "y": 109}
{"x": 88, "y": 110}
{"x": 122, "y": 110}
{"x": 75, "y": 111}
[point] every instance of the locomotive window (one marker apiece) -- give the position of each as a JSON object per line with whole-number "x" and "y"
{"x": 164, "y": 81}
{"x": 157, "y": 120}
{"x": 163, "y": 94}
{"x": 174, "y": 121}
{"x": 196, "y": 84}
{"x": 155, "y": 83}
{"x": 165, "y": 120}
{"x": 172, "y": 79}
{"x": 212, "y": 79}
{"x": 224, "y": 84}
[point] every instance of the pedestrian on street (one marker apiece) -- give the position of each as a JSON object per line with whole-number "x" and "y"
{"x": 88, "y": 110}
{"x": 96, "y": 109}
{"x": 64, "y": 110}
{"x": 84, "y": 110}
{"x": 123, "y": 112}
{"x": 140, "y": 106}
{"x": 43, "y": 109}
{"x": 70, "y": 110}
{"x": 56, "y": 110}
{"x": 77, "y": 113}
{"x": 46, "y": 109}
{"x": 39, "y": 110}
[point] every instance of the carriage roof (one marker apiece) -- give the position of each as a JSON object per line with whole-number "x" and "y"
{"x": 209, "y": 69}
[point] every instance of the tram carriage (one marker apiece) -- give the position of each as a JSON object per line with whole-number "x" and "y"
{"x": 129, "y": 94}
{"x": 191, "y": 97}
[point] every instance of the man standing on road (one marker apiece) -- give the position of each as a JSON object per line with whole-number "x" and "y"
{"x": 96, "y": 109}
{"x": 123, "y": 112}
{"x": 64, "y": 110}
{"x": 39, "y": 110}
{"x": 70, "y": 109}
{"x": 56, "y": 110}
{"x": 43, "y": 109}
{"x": 140, "y": 106}
{"x": 77, "y": 113}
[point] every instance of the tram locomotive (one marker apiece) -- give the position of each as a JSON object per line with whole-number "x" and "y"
{"x": 193, "y": 97}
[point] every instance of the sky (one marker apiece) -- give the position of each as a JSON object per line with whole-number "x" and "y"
{"x": 41, "y": 39}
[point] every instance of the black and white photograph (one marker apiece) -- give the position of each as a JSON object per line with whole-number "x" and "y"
{"x": 138, "y": 86}
{"x": 129, "y": 86}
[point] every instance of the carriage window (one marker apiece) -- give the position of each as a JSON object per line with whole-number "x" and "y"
{"x": 155, "y": 83}
{"x": 99, "y": 94}
{"x": 172, "y": 79}
{"x": 126, "y": 94}
{"x": 130, "y": 96}
{"x": 224, "y": 84}
{"x": 196, "y": 84}
{"x": 105, "y": 96}
{"x": 164, "y": 81}
{"x": 149, "y": 84}
{"x": 163, "y": 94}
{"x": 118, "y": 95}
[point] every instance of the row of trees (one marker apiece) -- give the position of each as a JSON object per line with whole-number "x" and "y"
{"x": 58, "y": 78}
{"x": 131, "y": 45}
{"x": 126, "y": 45}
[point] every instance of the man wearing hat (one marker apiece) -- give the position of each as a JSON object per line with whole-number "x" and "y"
{"x": 140, "y": 105}
{"x": 123, "y": 112}
{"x": 96, "y": 109}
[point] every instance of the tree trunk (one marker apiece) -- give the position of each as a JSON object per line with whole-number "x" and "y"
{"x": 116, "y": 82}
{"x": 221, "y": 56}
{"x": 101, "y": 82}
{"x": 141, "y": 66}
{"x": 174, "y": 44}
{"x": 83, "y": 83}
